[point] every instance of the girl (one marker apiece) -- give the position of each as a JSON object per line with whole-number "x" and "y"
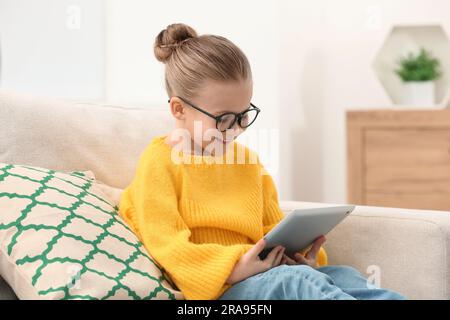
{"x": 201, "y": 202}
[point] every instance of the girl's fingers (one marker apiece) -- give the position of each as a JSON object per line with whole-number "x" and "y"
{"x": 272, "y": 255}
{"x": 301, "y": 259}
{"x": 257, "y": 248}
{"x": 290, "y": 261}
{"x": 312, "y": 253}
{"x": 278, "y": 258}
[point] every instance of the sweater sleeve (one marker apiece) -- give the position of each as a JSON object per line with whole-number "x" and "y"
{"x": 273, "y": 214}
{"x": 200, "y": 271}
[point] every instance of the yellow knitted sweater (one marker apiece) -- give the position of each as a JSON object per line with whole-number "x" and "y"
{"x": 197, "y": 219}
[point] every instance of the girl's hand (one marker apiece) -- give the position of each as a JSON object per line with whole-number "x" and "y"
{"x": 310, "y": 258}
{"x": 250, "y": 263}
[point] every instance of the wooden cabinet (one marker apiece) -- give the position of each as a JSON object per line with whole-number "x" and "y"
{"x": 399, "y": 158}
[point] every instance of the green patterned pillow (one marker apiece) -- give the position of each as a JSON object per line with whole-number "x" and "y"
{"x": 61, "y": 238}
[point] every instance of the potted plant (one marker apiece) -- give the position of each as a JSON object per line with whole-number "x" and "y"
{"x": 418, "y": 72}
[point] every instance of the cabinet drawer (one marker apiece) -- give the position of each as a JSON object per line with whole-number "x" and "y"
{"x": 407, "y": 164}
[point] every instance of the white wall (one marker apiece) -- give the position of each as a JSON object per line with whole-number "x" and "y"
{"x": 53, "y": 47}
{"x": 327, "y": 48}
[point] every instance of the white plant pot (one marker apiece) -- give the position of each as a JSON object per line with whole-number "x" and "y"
{"x": 418, "y": 93}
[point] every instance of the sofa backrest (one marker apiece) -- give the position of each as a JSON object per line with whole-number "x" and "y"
{"x": 68, "y": 136}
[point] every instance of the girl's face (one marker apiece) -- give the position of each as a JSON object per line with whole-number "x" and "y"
{"x": 216, "y": 98}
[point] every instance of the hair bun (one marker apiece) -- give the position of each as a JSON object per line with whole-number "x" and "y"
{"x": 171, "y": 38}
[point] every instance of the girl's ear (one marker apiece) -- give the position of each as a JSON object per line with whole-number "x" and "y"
{"x": 177, "y": 109}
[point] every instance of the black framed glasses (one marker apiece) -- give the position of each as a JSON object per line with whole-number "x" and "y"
{"x": 227, "y": 120}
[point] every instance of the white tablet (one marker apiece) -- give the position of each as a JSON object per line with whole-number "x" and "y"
{"x": 298, "y": 229}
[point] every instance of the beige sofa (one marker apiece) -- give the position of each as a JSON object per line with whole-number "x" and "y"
{"x": 401, "y": 249}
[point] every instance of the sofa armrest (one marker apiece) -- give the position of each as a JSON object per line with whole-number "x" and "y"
{"x": 401, "y": 249}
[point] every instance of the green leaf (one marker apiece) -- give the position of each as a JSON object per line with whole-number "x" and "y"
{"x": 418, "y": 67}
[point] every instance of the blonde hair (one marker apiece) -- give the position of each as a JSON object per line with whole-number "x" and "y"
{"x": 191, "y": 60}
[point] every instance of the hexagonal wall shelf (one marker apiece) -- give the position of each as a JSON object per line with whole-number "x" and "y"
{"x": 404, "y": 39}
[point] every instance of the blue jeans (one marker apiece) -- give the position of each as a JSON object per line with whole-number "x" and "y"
{"x": 301, "y": 282}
